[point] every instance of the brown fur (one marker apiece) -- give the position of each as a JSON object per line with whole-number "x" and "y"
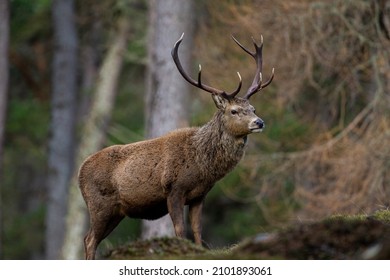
{"x": 151, "y": 178}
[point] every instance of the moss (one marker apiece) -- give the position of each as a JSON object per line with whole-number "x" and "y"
{"x": 350, "y": 218}
{"x": 382, "y": 215}
{"x": 379, "y": 215}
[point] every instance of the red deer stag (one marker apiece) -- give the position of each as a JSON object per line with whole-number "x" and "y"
{"x": 151, "y": 178}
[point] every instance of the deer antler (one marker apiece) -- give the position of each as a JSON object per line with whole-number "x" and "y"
{"x": 199, "y": 83}
{"x": 257, "y": 83}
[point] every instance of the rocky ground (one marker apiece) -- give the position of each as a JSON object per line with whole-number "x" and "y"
{"x": 341, "y": 237}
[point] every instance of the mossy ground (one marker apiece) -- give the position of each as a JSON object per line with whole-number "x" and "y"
{"x": 157, "y": 248}
{"x": 337, "y": 237}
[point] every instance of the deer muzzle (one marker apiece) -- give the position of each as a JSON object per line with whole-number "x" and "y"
{"x": 257, "y": 125}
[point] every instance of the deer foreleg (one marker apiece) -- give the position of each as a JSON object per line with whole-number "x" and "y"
{"x": 195, "y": 214}
{"x": 175, "y": 203}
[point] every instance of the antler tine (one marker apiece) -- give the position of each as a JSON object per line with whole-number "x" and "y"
{"x": 199, "y": 83}
{"x": 257, "y": 83}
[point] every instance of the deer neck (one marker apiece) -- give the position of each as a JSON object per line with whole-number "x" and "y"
{"x": 218, "y": 152}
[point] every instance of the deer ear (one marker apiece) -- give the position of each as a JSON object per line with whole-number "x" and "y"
{"x": 219, "y": 101}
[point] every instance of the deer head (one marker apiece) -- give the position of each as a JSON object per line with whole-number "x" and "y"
{"x": 239, "y": 115}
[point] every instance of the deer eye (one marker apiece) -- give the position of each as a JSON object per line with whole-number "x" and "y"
{"x": 233, "y": 112}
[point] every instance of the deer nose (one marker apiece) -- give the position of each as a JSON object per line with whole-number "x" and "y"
{"x": 260, "y": 123}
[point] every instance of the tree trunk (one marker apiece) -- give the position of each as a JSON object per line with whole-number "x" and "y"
{"x": 93, "y": 138}
{"x": 4, "y": 77}
{"x": 63, "y": 110}
{"x": 167, "y": 93}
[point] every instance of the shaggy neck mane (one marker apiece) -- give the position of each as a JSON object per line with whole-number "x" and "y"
{"x": 217, "y": 152}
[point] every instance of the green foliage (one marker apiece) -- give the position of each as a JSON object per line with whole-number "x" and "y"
{"x": 23, "y": 238}
{"x": 230, "y": 211}
{"x": 128, "y": 117}
{"x": 26, "y": 135}
{"x": 27, "y": 122}
{"x": 287, "y": 130}
{"x": 29, "y": 20}
{"x": 24, "y": 180}
{"x": 137, "y": 50}
{"x": 127, "y": 120}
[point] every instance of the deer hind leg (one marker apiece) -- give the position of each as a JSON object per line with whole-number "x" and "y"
{"x": 101, "y": 226}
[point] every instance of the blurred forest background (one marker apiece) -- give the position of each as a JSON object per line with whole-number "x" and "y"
{"x": 76, "y": 76}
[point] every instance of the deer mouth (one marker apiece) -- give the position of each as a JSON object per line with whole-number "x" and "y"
{"x": 256, "y": 130}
